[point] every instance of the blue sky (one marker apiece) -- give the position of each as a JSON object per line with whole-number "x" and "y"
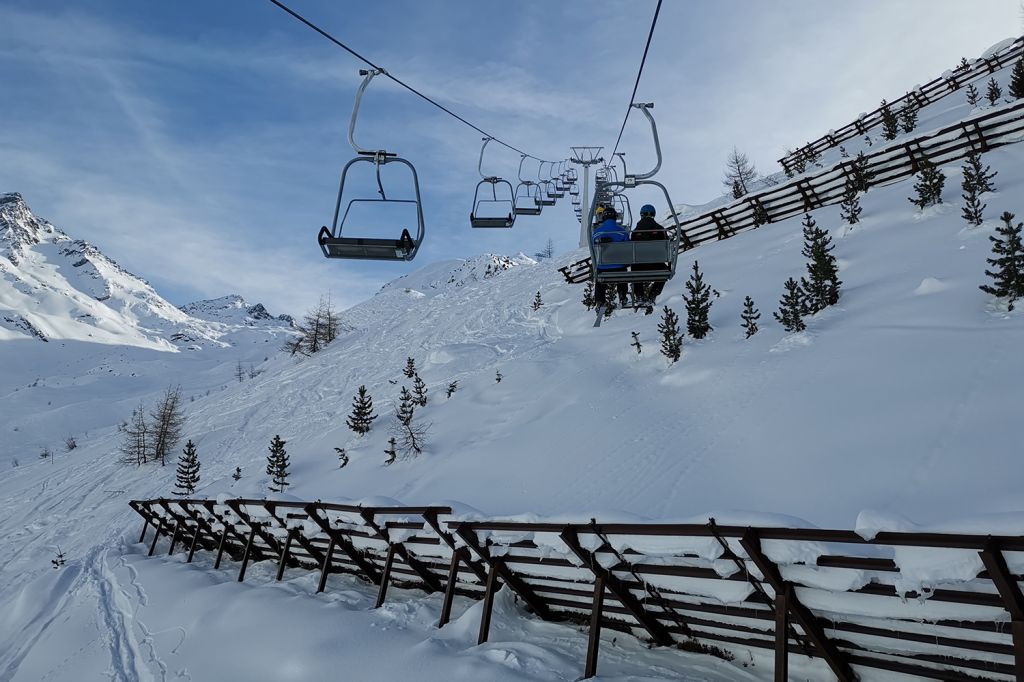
{"x": 199, "y": 143}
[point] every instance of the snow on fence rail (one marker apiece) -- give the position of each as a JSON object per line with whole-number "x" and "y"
{"x": 993, "y": 128}
{"x": 920, "y": 97}
{"x": 933, "y": 605}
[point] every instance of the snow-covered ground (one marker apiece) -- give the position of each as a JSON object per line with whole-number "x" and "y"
{"x": 901, "y": 400}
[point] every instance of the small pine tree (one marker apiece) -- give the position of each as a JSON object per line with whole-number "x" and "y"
{"x": 963, "y": 65}
{"x": 821, "y": 287}
{"x": 239, "y": 372}
{"x": 1008, "y": 261}
{"x": 187, "y": 474}
{"x": 588, "y": 295}
{"x": 750, "y": 316}
{"x": 993, "y": 92}
{"x": 890, "y": 122}
{"x": 908, "y": 118}
{"x": 410, "y": 368}
{"x": 406, "y": 407}
{"x": 537, "y": 302}
{"x": 698, "y": 304}
{"x": 973, "y": 210}
{"x": 737, "y": 189}
{"x": 860, "y": 176}
{"x": 930, "y": 181}
{"x": 1017, "y": 79}
{"x": 636, "y": 343}
{"x": 277, "y": 465}
{"x": 498, "y": 376}
{"x": 60, "y": 559}
{"x": 361, "y": 419}
{"x": 843, "y": 153}
{"x": 238, "y": 474}
{"x": 973, "y": 96}
{"x": 342, "y": 457}
{"x": 411, "y": 434}
{"x": 671, "y": 336}
{"x": 849, "y": 209}
{"x": 791, "y": 308}
{"x": 419, "y": 391}
{"x": 982, "y": 176}
{"x": 452, "y": 387}
{"x": 391, "y": 451}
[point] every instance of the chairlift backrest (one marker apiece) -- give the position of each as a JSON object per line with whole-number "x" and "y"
{"x": 495, "y": 211}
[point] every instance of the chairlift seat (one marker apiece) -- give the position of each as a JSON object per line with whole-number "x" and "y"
{"x": 367, "y": 248}
{"x": 494, "y": 221}
{"x": 648, "y": 252}
{"x": 527, "y": 210}
{"x": 545, "y": 201}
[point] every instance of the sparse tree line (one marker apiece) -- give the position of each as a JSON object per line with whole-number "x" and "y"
{"x": 318, "y": 329}
{"x": 151, "y": 436}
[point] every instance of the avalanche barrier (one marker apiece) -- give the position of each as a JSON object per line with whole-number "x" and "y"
{"x": 945, "y": 606}
{"x": 995, "y": 127}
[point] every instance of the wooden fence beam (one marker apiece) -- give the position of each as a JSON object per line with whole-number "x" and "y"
{"x": 449, "y": 587}
{"x": 429, "y": 579}
{"x": 284, "y": 554}
{"x": 614, "y": 585}
{"x": 156, "y": 536}
{"x": 194, "y": 544}
{"x": 807, "y": 620}
{"x": 513, "y": 581}
{"x": 220, "y": 546}
{"x": 247, "y": 554}
{"x": 174, "y": 537}
{"x": 782, "y": 600}
{"x": 385, "y": 577}
{"x": 594, "y": 637}
{"x": 1009, "y": 590}
{"x": 325, "y": 567}
{"x": 431, "y": 518}
{"x": 338, "y": 538}
{"x": 493, "y": 585}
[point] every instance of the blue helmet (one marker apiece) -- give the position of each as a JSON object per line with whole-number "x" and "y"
{"x": 647, "y": 209}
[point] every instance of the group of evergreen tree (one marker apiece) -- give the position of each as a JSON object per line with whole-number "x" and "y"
{"x": 977, "y": 180}
{"x": 318, "y": 328}
{"x": 152, "y": 436}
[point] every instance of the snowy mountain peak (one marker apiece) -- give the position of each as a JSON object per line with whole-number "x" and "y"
{"x": 233, "y": 309}
{"x": 437, "y": 277}
{"x": 20, "y": 229}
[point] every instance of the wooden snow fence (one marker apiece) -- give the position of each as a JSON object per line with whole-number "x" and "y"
{"x": 852, "y": 604}
{"x": 916, "y": 99}
{"x": 996, "y": 127}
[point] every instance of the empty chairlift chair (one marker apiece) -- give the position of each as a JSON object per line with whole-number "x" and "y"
{"x": 337, "y": 242}
{"x": 545, "y": 194}
{"x": 494, "y": 211}
{"x": 527, "y": 196}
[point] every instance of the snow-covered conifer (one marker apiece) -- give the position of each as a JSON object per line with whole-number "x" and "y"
{"x": 908, "y": 117}
{"x": 821, "y": 287}
{"x": 277, "y": 465}
{"x": 361, "y": 419}
{"x": 588, "y": 295}
{"x": 849, "y": 208}
{"x": 981, "y": 176}
{"x": 452, "y": 387}
{"x": 930, "y": 181}
{"x": 410, "y": 368}
{"x": 890, "y": 122}
{"x": 1007, "y": 261}
{"x": 1017, "y": 79}
{"x": 791, "y": 307}
{"x": 698, "y": 304}
{"x": 860, "y": 176}
{"x": 537, "y": 302}
{"x": 498, "y": 376}
{"x": 238, "y": 474}
{"x": 671, "y": 335}
{"x": 993, "y": 92}
{"x": 636, "y": 343}
{"x": 187, "y": 474}
{"x": 342, "y": 457}
{"x": 750, "y": 316}
{"x": 761, "y": 216}
{"x": 419, "y": 391}
{"x": 973, "y": 96}
{"x": 391, "y": 451}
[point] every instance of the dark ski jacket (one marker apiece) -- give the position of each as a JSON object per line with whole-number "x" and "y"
{"x": 648, "y": 229}
{"x": 610, "y": 231}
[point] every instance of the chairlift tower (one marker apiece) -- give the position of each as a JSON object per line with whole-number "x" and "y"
{"x": 586, "y": 157}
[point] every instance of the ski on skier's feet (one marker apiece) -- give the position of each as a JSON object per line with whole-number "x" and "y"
{"x": 600, "y": 315}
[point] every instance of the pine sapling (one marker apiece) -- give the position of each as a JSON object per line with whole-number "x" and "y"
{"x": 698, "y": 304}
{"x": 1017, "y": 79}
{"x": 1007, "y": 261}
{"x": 419, "y": 391}
{"x": 59, "y": 560}
{"x": 982, "y": 175}
{"x": 750, "y": 316}
{"x": 849, "y": 208}
{"x": 277, "y": 465}
{"x": 890, "y": 122}
{"x": 821, "y": 287}
{"x": 391, "y": 451}
{"x": 843, "y": 154}
{"x": 636, "y": 343}
{"x": 187, "y": 473}
{"x": 410, "y": 368}
{"x": 993, "y": 93}
{"x": 452, "y": 387}
{"x": 238, "y": 474}
{"x": 908, "y": 118}
{"x": 791, "y": 308}
{"x": 973, "y": 210}
{"x": 860, "y": 176}
{"x": 361, "y": 419}
{"x": 930, "y": 181}
{"x": 588, "y": 296}
{"x": 671, "y": 335}
{"x": 342, "y": 457}
{"x": 761, "y": 216}
{"x": 537, "y": 302}
{"x": 498, "y": 376}
{"x": 973, "y": 96}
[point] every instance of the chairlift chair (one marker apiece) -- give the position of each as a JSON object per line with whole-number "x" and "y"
{"x": 334, "y": 242}
{"x": 662, "y": 252}
{"x": 526, "y": 200}
{"x": 547, "y": 193}
{"x": 508, "y": 199}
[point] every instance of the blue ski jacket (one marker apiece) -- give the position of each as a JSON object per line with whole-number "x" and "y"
{"x": 610, "y": 231}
